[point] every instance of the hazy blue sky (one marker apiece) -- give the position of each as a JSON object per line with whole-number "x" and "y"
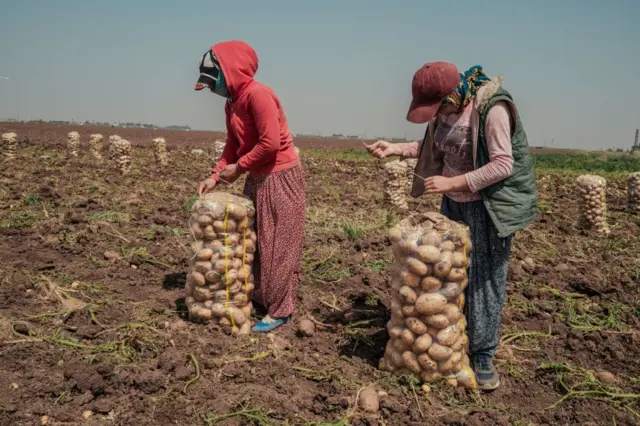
{"x": 337, "y": 65}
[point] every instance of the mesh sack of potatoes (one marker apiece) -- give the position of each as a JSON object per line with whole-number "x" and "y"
{"x": 593, "y": 208}
{"x": 218, "y": 149}
{"x": 95, "y": 146}
{"x": 112, "y": 147}
{"x": 122, "y": 151}
{"x": 427, "y": 336}
{"x": 395, "y": 184}
{"x": 9, "y": 145}
{"x": 160, "y": 151}
{"x": 73, "y": 143}
{"x": 220, "y": 281}
{"x": 411, "y": 167}
{"x": 633, "y": 192}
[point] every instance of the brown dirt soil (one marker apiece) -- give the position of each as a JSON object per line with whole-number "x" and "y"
{"x": 79, "y": 332}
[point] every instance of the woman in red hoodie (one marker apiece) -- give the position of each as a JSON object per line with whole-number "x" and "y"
{"x": 259, "y": 143}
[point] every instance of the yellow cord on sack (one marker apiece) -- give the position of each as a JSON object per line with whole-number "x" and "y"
{"x": 226, "y": 267}
{"x": 244, "y": 260}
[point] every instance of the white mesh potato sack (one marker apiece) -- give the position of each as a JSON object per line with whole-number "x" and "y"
{"x": 427, "y": 330}
{"x": 220, "y": 280}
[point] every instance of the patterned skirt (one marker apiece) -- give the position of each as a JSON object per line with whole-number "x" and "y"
{"x": 280, "y": 200}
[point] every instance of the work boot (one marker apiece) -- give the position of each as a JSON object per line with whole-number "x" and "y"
{"x": 486, "y": 373}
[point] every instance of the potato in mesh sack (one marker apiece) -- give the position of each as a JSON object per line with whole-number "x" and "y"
{"x": 220, "y": 280}
{"x": 427, "y": 326}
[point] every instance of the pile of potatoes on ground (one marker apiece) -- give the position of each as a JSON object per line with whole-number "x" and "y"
{"x": 429, "y": 275}
{"x": 395, "y": 184}
{"x": 220, "y": 280}
{"x": 593, "y": 209}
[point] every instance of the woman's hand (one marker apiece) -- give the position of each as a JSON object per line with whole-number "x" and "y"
{"x": 383, "y": 149}
{"x": 230, "y": 173}
{"x": 206, "y": 186}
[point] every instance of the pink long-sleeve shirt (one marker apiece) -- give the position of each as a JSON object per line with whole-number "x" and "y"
{"x": 454, "y": 137}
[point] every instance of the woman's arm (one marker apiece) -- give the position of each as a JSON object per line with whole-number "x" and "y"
{"x": 498, "y": 138}
{"x": 230, "y": 152}
{"x": 267, "y": 118}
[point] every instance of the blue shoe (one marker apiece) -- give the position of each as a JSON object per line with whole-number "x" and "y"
{"x": 266, "y": 327}
{"x": 486, "y": 374}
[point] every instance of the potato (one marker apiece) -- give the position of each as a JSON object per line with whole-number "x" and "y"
{"x": 422, "y": 343}
{"x": 428, "y": 254}
{"x": 459, "y": 260}
{"x": 466, "y": 379}
{"x": 395, "y": 234}
{"x": 204, "y": 220}
{"x": 205, "y": 313}
{"x": 411, "y": 362}
{"x": 437, "y": 321}
{"x": 394, "y": 357}
{"x": 237, "y": 212}
{"x": 218, "y": 310}
{"x": 408, "y": 246}
{"x": 237, "y": 316}
{"x": 431, "y": 284}
{"x": 409, "y": 279}
{"x": 197, "y": 231}
{"x": 250, "y": 246}
{"x": 394, "y": 331}
{"x": 427, "y": 363}
{"x": 209, "y": 233}
{"x": 439, "y": 352}
{"x": 407, "y": 295}
{"x": 204, "y": 254}
{"x": 240, "y": 299}
{"x": 456, "y": 359}
{"x": 236, "y": 264}
{"x": 452, "y": 312}
{"x": 447, "y": 245}
{"x": 189, "y": 301}
{"x": 245, "y": 329}
{"x": 198, "y": 278}
{"x": 458, "y": 344}
{"x": 430, "y": 303}
{"x": 449, "y": 335}
{"x": 457, "y": 275}
{"x": 451, "y": 290}
{"x": 416, "y": 326}
{"x": 444, "y": 266}
{"x": 430, "y": 376}
{"x": 196, "y": 246}
{"x": 202, "y": 294}
{"x": 399, "y": 345}
{"x": 368, "y": 400}
{"x": 212, "y": 277}
{"x": 407, "y": 337}
{"x": 248, "y": 287}
{"x": 219, "y": 227}
{"x": 416, "y": 267}
{"x": 203, "y": 267}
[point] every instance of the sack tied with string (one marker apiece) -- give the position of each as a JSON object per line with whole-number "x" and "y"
{"x": 427, "y": 330}
{"x": 220, "y": 281}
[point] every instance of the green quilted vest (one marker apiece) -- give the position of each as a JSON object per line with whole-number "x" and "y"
{"x": 511, "y": 203}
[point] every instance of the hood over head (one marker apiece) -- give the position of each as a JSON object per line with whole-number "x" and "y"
{"x": 239, "y": 63}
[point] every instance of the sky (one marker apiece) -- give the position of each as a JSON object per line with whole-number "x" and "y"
{"x": 338, "y": 66}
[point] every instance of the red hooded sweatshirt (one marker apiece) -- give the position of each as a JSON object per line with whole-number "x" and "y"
{"x": 258, "y": 137}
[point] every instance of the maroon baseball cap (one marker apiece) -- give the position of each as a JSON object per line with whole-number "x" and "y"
{"x": 432, "y": 83}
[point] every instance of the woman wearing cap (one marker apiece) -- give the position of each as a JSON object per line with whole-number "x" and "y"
{"x": 474, "y": 152}
{"x": 259, "y": 143}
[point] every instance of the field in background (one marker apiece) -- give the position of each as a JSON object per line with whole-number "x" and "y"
{"x": 79, "y": 332}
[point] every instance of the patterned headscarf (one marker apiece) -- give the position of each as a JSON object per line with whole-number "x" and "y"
{"x": 472, "y": 80}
